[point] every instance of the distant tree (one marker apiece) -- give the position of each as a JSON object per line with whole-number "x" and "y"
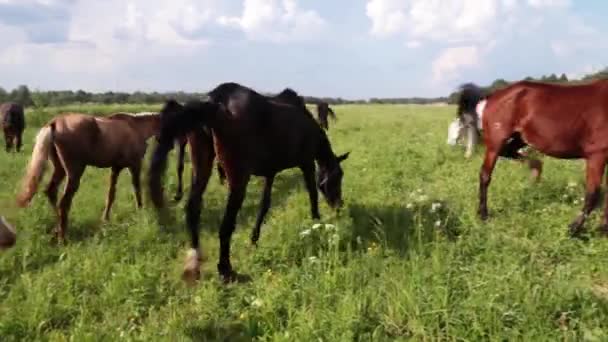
{"x": 41, "y": 99}
{"x": 21, "y": 95}
{"x": 563, "y": 78}
{"x": 3, "y": 95}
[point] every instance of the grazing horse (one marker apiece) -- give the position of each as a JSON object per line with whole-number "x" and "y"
{"x": 323, "y": 111}
{"x": 287, "y": 95}
{"x": 252, "y": 135}
{"x": 562, "y": 121}
{"x": 12, "y": 120}
{"x": 73, "y": 141}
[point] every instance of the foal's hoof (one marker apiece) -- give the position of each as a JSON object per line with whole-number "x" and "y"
{"x": 575, "y": 230}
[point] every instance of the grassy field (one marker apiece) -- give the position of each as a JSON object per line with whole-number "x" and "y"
{"x": 406, "y": 259}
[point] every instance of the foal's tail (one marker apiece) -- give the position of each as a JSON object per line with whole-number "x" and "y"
{"x": 36, "y": 166}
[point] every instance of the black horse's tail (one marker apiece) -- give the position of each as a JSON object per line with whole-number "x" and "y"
{"x": 470, "y": 96}
{"x": 176, "y": 121}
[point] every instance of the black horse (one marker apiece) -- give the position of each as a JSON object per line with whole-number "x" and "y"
{"x": 12, "y": 120}
{"x": 253, "y": 135}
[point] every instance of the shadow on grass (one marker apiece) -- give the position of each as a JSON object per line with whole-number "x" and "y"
{"x": 403, "y": 229}
{"x": 213, "y": 331}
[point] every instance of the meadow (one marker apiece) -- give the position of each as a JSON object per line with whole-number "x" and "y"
{"x": 405, "y": 259}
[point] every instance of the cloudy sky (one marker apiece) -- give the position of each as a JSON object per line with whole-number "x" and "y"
{"x": 348, "y": 48}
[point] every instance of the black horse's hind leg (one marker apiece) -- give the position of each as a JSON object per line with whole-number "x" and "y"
{"x": 19, "y": 141}
{"x": 595, "y": 172}
{"x": 180, "y": 171}
{"x": 221, "y": 174}
{"x": 511, "y": 149}
{"x": 313, "y": 194}
{"x": 8, "y": 140}
{"x": 264, "y": 206}
{"x": 235, "y": 201}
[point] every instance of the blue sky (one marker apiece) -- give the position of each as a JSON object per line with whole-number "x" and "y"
{"x": 347, "y": 48}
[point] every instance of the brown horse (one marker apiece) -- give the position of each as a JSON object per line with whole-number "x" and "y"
{"x": 73, "y": 141}
{"x": 12, "y": 120}
{"x": 323, "y": 111}
{"x": 562, "y": 121}
{"x": 253, "y": 135}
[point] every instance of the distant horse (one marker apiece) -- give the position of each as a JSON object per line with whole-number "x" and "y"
{"x": 323, "y": 111}
{"x": 72, "y": 142}
{"x": 12, "y": 120}
{"x": 562, "y": 121}
{"x": 253, "y": 135}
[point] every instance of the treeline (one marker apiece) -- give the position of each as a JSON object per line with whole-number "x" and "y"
{"x": 23, "y": 95}
{"x": 553, "y": 78}
{"x": 40, "y": 99}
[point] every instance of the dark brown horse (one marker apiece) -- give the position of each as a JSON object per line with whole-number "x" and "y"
{"x": 323, "y": 111}
{"x": 287, "y": 95}
{"x": 74, "y": 141}
{"x": 253, "y": 135}
{"x": 12, "y": 120}
{"x": 562, "y": 121}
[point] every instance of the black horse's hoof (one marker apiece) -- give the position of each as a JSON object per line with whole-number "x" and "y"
{"x": 483, "y": 215}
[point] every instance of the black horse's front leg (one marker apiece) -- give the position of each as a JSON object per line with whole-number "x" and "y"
{"x": 264, "y": 206}
{"x": 235, "y": 201}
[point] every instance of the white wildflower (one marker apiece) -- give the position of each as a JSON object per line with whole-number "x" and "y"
{"x": 409, "y": 205}
{"x": 305, "y": 232}
{"x": 438, "y": 223}
{"x": 257, "y": 303}
{"x": 330, "y": 227}
{"x": 313, "y": 259}
{"x": 572, "y": 184}
{"x": 316, "y": 226}
{"x": 423, "y": 198}
{"x": 435, "y": 206}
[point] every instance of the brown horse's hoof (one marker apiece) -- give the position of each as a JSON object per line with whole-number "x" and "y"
{"x": 575, "y": 230}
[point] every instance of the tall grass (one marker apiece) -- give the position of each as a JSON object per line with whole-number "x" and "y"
{"x": 406, "y": 259}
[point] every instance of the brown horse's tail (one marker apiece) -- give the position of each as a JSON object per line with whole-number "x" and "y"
{"x": 37, "y": 165}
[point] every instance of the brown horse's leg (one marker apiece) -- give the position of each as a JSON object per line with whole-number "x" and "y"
{"x": 180, "y": 170}
{"x": 221, "y": 173}
{"x": 111, "y": 193}
{"x": 235, "y": 201}
{"x": 264, "y": 206}
{"x": 74, "y": 173}
{"x": 313, "y": 194}
{"x": 202, "y": 156}
{"x": 485, "y": 176}
{"x": 135, "y": 172}
{"x": 56, "y": 179}
{"x": 595, "y": 172}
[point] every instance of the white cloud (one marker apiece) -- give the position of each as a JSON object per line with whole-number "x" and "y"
{"x": 276, "y": 20}
{"x": 549, "y": 3}
{"x": 452, "y": 60}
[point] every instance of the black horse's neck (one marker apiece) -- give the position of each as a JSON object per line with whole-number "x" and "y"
{"x": 325, "y": 155}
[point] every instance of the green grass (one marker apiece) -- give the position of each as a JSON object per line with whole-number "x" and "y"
{"x": 395, "y": 267}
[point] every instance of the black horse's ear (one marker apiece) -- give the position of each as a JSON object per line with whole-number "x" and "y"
{"x": 343, "y": 157}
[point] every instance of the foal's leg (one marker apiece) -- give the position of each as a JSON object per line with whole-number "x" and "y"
{"x": 74, "y": 173}
{"x": 471, "y": 141}
{"x": 111, "y": 193}
{"x": 235, "y": 201}
{"x": 595, "y": 171}
{"x": 313, "y": 194}
{"x": 135, "y": 172}
{"x": 8, "y": 140}
{"x": 180, "y": 170}
{"x": 264, "y": 206}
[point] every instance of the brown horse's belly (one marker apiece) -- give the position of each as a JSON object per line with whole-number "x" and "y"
{"x": 562, "y": 148}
